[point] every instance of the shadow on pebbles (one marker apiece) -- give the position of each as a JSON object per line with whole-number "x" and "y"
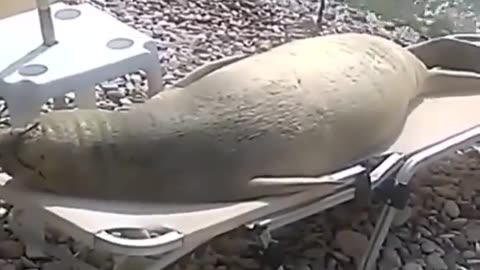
{"x": 439, "y": 230}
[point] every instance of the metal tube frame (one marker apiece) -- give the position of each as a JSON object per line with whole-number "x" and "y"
{"x": 411, "y": 165}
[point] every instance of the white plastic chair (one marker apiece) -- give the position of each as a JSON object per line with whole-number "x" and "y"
{"x": 88, "y": 47}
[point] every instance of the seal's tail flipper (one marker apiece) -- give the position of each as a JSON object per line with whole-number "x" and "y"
{"x": 454, "y": 52}
{"x": 442, "y": 82}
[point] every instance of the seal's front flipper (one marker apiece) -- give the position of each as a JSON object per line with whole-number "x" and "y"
{"x": 206, "y": 69}
{"x": 284, "y": 185}
{"x": 201, "y": 72}
{"x": 454, "y": 52}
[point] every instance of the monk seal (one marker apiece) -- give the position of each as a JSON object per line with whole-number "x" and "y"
{"x": 303, "y": 109}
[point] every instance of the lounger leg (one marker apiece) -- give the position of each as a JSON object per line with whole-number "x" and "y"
{"x": 400, "y": 194}
{"x": 378, "y": 237}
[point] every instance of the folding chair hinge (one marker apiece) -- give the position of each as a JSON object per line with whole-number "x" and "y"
{"x": 266, "y": 239}
{"x": 269, "y": 252}
{"x": 363, "y": 189}
{"x": 262, "y": 233}
{"x": 399, "y": 196}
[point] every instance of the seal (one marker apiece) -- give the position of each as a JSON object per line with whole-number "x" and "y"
{"x": 240, "y": 129}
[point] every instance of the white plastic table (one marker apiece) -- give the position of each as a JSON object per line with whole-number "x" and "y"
{"x": 92, "y": 47}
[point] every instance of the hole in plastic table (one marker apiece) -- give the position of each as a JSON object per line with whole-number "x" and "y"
{"x": 32, "y": 70}
{"x": 120, "y": 43}
{"x": 136, "y": 233}
{"x": 68, "y": 14}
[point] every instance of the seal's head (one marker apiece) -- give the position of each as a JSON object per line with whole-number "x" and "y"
{"x": 11, "y": 140}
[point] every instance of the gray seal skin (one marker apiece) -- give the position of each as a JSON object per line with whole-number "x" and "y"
{"x": 303, "y": 109}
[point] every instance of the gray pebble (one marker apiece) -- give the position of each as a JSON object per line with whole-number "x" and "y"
{"x": 136, "y": 78}
{"x": 54, "y": 266}
{"x": 451, "y": 209}
{"x": 424, "y": 231}
{"x": 460, "y": 242}
{"x": 391, "y": 258}
{"x": 402, "y": 216}
{"x": 106, "y": 105}
{"x": 458, "y": 223}
{"x": 313, "y": 253}
{"x": 429, "y": 246}
{"x": 9, "y": 266}
{"x": 130, "y": 86}
{"x": 352, "y": 243}
{"x": 97, "y": 258}
{"x": 109, "y": 86}
{"x": 404, "y": 253}
{"x": 412, "y": 266}
{"x": 415, "y": 250}
{"x": 447, "y": 191}
{"x": 248, "y": 263}
{"x": 302, "y": 265}
{"x": 125, "y": 102}
{"x": 28, "y": 263}
{"x": 393, "y": 241}
{"x": 11, "y": 249}
{"x": 436, "y": 262}
{"x": 115, "y": 95}
{"x": 331, "y": 264}
{"x": 468, "y": 254}
{"x": 472, "y": 232}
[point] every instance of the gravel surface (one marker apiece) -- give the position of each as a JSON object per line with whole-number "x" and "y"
{"x": 439, "y": 230}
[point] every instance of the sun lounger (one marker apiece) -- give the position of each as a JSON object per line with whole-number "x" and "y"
{"x": 185, "y": 227}
{"x": 435, "y": 128}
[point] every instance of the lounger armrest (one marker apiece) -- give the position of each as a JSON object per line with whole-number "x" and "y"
{"x": 376, "y": 177}
{"x": 386, "y": 169}
{"x": 139, "y": 247}
{"x": 399, "y": 194}
{"x": 437, "y": 151}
